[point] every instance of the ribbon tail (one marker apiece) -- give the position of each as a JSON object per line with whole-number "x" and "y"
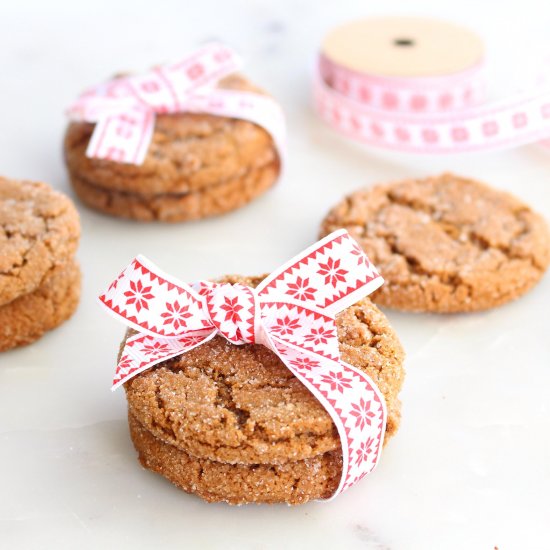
{"x": 202, "y": 69}
{"x": 143, "y": 351}
{"x": 355, "y": 404}
{"x": 123, "y": 137}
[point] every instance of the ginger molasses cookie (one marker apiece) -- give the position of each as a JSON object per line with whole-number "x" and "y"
{"x": 203, "y": 155}
{"x": 39, "y": 229}
{"x": 293, "y": 483}
{"x": 28, "y": 317}
{"x": 39, "y": 278}
{"x": 232, "y": 423}
{"x": 446, "y": 243}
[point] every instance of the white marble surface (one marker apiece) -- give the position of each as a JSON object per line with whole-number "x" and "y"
{"x": 470, "y": 467}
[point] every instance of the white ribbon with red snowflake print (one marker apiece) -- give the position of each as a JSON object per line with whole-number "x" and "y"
{"x": 124, "y": 108}
{"x": 292, "y": 312}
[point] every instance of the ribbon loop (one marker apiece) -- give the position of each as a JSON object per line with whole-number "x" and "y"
{"x": 154, "y": 303}
{"x": 332, "y": 274}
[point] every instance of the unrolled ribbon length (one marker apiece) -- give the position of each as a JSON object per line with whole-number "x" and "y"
{"x": 441, "y": 114}
{"x": 291, "y": 312}
{"x": 124, "y": 108}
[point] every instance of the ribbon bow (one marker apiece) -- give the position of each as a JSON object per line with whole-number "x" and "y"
{"x": 291, "y": 312}
{"x": 124, "y": 108}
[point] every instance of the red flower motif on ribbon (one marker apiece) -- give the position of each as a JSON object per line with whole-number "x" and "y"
{"x": 124, "y": 363}
{"x": 138, "y": 295}
{"x": 114, "y": 284}
{"x": 190, "y": 340}
{"x": 320, "y": 335}
{"x": 364, "y": 451}
{"x": 175, "y": 315}
{"x": 361, "y": 258}
{"x": 232, "y": 308}
{"x": 459, "y": 134}
{"x": 363, "y": 414}
{"x": 285, "y": 326}
{"x": 195, "y": 71}
{"x": 305, "y": 363}
{"x": 336, "y": 381}
{"x": 301, "y": 289}
{"x": 156, "y": 349}
{"x": 332, "y": 272}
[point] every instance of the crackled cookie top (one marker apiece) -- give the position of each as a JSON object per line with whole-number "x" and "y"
{"x": 188, "y": 152}
{"x": 39, "y": 228}
{"x": 240, "y": 404}
{"x": 446, "y": 243}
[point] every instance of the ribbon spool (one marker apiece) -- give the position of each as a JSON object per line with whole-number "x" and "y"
{"x": 416, "y": 85}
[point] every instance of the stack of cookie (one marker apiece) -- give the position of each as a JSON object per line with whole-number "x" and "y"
{"x": 197, "y": 165}
{"x": 39, "y": 277}
{"x": 232, "y": 423}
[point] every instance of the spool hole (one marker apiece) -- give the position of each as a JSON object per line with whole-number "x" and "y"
{"x": 403, "y": 42}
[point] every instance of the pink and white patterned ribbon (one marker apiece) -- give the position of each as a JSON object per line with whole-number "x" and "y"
{"x": 291, "y": 312}
{"x": 441, "y": 114}
{"x": 124, "y": 108}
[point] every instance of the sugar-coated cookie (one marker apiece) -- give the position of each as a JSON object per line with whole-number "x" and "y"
{"x": 39, "y": 228}
{"x": 28, "y": 317}
{"x": 446, "y": 243}
{"x": 39, "y": 278}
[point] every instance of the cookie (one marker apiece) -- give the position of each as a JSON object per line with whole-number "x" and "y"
{"x": 39, "y": 229}
{"x": 238, "y": 412}
{"x": 216, "y": 199}
{"x": 197, "y": 165}
{"x": 446, "y": 243}
{"x": 39, "y": 278}
{"x": 28, "y": 317}
{"x": 291, "y": 482}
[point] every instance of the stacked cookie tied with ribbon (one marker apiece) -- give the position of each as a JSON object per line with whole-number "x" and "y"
{"x": 39, "y": 276}
{"x": 185, "y": 141}
{"x": 260, "y": 390}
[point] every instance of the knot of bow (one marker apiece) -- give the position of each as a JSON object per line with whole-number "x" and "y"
{"x": 292, "y": 312}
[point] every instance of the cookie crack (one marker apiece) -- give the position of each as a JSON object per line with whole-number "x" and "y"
{"x": 166, "y": 427}
{"x": 44, "y": 238}
{"x": 451, "y": 280}
{"x": 225, "y": 400}
{"x": 465, "y": 231}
